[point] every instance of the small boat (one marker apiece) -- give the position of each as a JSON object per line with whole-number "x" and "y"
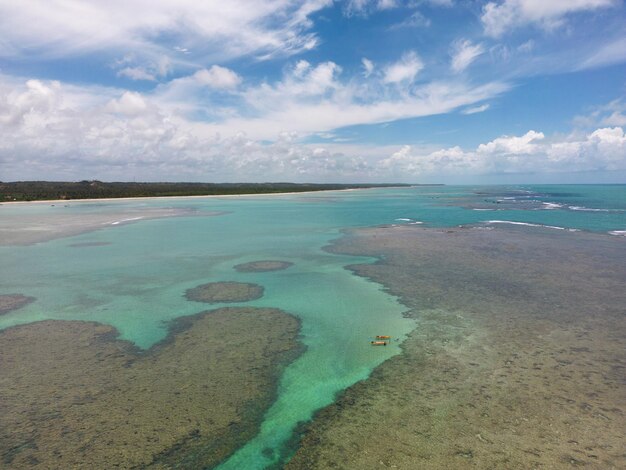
{"x": 379, "y": 343}
{"x": 383, "y": 337}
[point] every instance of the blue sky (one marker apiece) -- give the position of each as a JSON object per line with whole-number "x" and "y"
{"x": 451, "y": 91}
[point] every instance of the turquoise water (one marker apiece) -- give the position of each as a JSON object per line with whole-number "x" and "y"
{"x": 136, "y": 281}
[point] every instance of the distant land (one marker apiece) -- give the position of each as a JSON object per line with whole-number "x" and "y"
{"x": 53, "y": 190}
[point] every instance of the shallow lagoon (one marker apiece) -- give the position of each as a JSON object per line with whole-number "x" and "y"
{"x": 133, "y": 275}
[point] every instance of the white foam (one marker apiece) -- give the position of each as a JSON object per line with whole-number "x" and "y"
{"x": 483, "y": 209}
{"x": 528, "y": 224}
{"x": 410, "y": 221}
{"x": 587, "y": 209}
{"x": 125, "y": 220}
{"x": 551, "y": 205}
{"x": 618, "y": 233}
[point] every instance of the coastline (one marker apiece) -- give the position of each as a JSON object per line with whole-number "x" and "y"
{"x": 39, "y": 228}
{"x": 517, "y": 360}
{"x": 229, "y": 196}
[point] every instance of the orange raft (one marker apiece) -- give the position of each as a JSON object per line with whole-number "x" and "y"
{"x": 379, "y": 343}
{"x": 383, "y": 337}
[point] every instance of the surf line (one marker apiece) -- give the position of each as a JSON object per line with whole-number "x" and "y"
{"x": 125, "y": 220}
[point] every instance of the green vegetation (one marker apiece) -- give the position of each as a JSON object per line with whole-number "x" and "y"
{"x": 50, "y": 190}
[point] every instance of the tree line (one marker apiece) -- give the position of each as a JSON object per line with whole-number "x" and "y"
{"x": 51, "y": 190}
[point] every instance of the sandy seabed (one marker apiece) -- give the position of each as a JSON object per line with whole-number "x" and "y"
{"x": 59, "y": 222}
{"x": 518, "y": 360}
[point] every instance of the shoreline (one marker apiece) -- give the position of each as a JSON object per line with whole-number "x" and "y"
{"x": 291, "y": 193}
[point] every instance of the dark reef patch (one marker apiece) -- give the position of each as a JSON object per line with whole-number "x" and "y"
{"x": 218, "y": 292}
{"x": 74, "y": 396}
{"x": 517, "y": 360}
{"x": 263, "y": 266}
{"x": 10, "y": 302}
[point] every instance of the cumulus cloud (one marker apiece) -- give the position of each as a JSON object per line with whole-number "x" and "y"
{"x": 404, "y": 70}
{"x": 150, "y": 71}
{"x": 497, "y": 18}
{"x": 601, "y": 150}
{"x": 130, "y": 104}
{"x": 217, "y": 77}
{"x": 50, "y": 130}
{"x": 64, "y": 131}
{"x": 464, "y": 53}
{"x": 512, "y": 145}
{"x": 34, "y": 98}
{"x": 121, "y": 136}
{"x": 180, "y": 119}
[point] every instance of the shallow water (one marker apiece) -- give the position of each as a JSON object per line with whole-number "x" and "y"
{"x": 133, "y": 276}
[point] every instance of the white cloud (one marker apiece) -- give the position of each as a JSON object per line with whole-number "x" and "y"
{"x": 34, "y": 98}
{"x": 65, "y": 131}
{"x": 366, "y": 7}
{"x": 301, "y": 68}
{"x": 51, "y": 130}
{"x": 497, "y": 18}
{"x": 612, "y": 53}
{"x": 512, "y": 145}
{"x": 217, "y": 77}
{"x": 601, "y": 150}
{"x": 318, "y": 100}
{"x": 214, "y": 30}
{"x": 368, "y": 66}
{"x": 136, "y": 73}
{"x": 404, "y": 70}
{"x": 476, "y": 109}
{"x": 130, "y": 104}
{"x": 610, "y": 114}
{"x": 464, "y": 53}
{"x": 617, "y": 118}
{"x": 416, "y": 20}
{"x": 526, "y": 47}
{"x": 151, "y": 70}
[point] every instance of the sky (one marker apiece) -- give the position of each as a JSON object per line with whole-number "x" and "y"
{"x": 415, "y": 91}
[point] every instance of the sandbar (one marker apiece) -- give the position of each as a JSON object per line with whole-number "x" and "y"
{"x": 30, "y": 228}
